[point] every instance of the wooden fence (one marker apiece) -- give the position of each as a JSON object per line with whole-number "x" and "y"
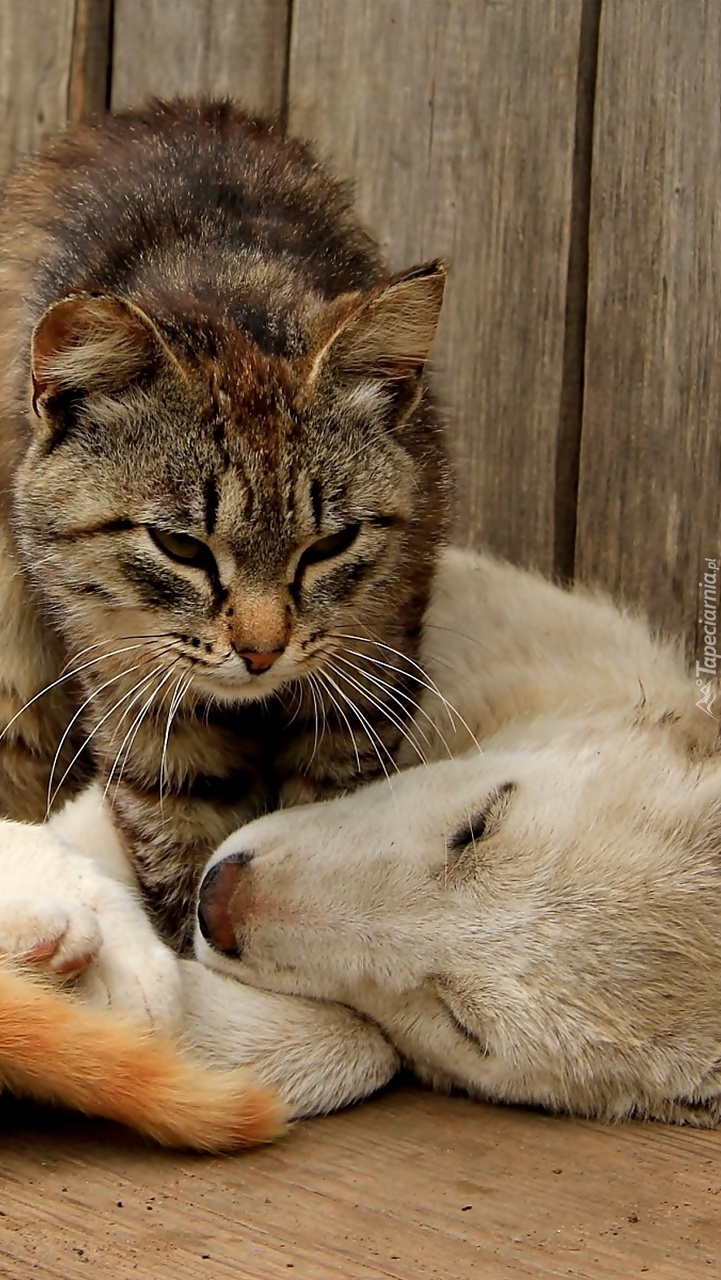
{"x": 564, "y": 154}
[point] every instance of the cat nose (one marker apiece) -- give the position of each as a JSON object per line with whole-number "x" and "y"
{"x": 218, "y": 890}
{"x": 257, "y": 662}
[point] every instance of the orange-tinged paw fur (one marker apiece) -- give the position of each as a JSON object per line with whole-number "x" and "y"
{"x": 52, "y": 936}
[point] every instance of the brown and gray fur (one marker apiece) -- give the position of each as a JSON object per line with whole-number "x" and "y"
{"x": 199, "y": 339}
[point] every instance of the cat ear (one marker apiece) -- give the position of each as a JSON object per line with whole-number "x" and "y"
{"x": 85, "y": 345}
{"x": 386, "y": 334}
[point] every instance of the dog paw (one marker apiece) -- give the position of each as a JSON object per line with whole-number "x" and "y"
{"x": 52, "y": 936}
{"x": 90, "y": 928}
{"x": 138, "y": 979}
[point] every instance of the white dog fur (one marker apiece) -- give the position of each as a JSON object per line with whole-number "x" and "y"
{"x": 539, "y": 922}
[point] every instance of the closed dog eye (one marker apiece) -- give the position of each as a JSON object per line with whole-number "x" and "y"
{"x": 485, "y": 821}
{"x": 461, "y": 1029}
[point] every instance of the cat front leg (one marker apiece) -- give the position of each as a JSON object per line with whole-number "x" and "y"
{"x": 87, "y": 824}
{"x": 319, "y": 1056}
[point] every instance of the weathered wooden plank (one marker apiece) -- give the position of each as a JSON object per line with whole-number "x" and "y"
{"x": 456, "y": 123}
{"x": 408, "y": 1187}
{"x": 53, "y": 68}
{"x": 571, "y": 407}
{"x": 90, "y": 60}
{"x": 651, "y": 442}
{"x": 171, "y": 47}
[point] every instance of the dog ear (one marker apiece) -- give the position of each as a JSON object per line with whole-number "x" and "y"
{"x": 464, "y": 1009}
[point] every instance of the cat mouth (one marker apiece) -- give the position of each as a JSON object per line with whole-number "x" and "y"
{"x": 239, "y": 686}
{"x": 236, "y": 678}
{"x": 227, "y": 686}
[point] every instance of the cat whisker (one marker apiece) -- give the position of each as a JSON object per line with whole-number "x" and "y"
{"x": 314, "y": 696}
{"x": 324, "y": 714}
{"x": 418, "y": 708}
{"x": 452, "y": 631}
{"x": 160, "y": 635}
{"x": 297, "y": 702}
{"x": 381, "y": 644}
{"x": 171, "y": 717}
{"x": 139, "y": 691}
{"x": 321, "y": 704}
{"x": 51, "y": 794}
{"x": 113, "y": 680}
{"x": 372, "y": 735}
{"x": 164, "y": 776}
{"x": 402, "y": 728}
{"x": 452, "y": 711}
{"x": 343, "y": 716}
{"x": 395, "y": 694}
{"x": 61, "y": 680}
{"x": 134, "y": 729}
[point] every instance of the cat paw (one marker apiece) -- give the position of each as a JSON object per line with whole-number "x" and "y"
{"x": 56, "y": 937}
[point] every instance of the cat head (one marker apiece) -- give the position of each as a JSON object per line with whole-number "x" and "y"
{"x": 237, "y": 507}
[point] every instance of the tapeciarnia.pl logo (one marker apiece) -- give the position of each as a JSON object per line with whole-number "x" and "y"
{"x": 707, "y": 668}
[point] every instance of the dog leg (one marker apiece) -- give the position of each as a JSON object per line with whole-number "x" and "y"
{"x": 319, "y": 1056}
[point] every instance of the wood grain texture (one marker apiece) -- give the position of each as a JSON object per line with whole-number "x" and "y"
{"x": 571, "y": 407}
{"x": 409, "y": 1187}
{"x": 171, "y": 47}
{"x": 90, "y": 60}
{"x": 455, "y": 121}
{"x": 650, "y": 469}
{"x": 53, "y": 68}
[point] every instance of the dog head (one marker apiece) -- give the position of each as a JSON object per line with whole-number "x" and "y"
{"x": 514, "y": 898}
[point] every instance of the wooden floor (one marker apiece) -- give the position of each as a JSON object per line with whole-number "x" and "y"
{"x": 408, "y": 1186}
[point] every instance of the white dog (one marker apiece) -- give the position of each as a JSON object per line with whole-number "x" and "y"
{"x": 539, "y": 921}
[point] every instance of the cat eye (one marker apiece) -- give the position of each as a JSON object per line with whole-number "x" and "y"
{"x": 483, "y": 823}
{"x": 332, "y": 545}
{"x": 182, "y": 548}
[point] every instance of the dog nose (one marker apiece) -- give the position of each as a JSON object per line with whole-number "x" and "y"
{"x": 257, "y": 662}
{"x": 217, "y": 891}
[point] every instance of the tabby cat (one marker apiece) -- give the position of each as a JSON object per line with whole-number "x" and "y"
{"x": 224, "y": 484}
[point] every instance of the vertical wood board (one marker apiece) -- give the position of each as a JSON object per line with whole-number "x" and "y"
{"x": 53, "y": 68}
{"x": 650, "y": 471}
{"x": 168, "y": 48}
{"x": 455, "y": 121}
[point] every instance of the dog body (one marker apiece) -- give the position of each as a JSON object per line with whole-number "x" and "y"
{"x": 538, "y": 921}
